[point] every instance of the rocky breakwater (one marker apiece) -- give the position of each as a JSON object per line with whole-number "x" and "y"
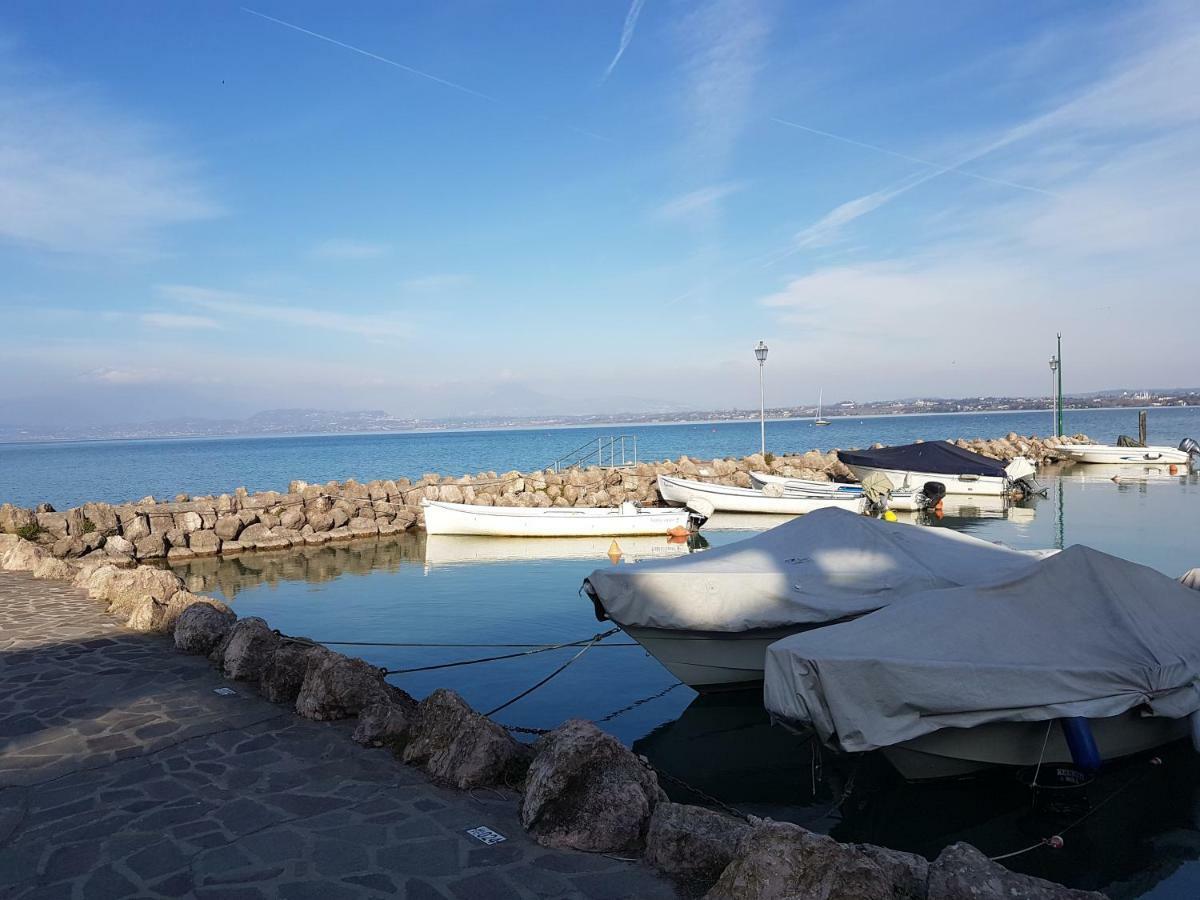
{"x": 576, "y": 787}
{"x": 317, "y": 514}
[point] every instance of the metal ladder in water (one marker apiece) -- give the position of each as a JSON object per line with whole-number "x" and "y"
{"x": 611, "y": 448}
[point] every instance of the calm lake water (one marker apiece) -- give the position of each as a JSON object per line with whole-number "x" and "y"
{"x": 1141, "y": 839}
{"x": 67, "y": 474}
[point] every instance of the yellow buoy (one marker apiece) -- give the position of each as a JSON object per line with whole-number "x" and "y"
{"x": 889, "y": 516}
{"x": 614, "y": 551}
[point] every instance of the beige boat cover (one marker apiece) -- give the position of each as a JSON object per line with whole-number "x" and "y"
{"x": 1081, "y": 633}
{"x": 824, "y": 567}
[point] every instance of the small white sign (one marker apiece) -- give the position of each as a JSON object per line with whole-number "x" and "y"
{"x": 225, "y": 691}
{"x": 485, "y": 835}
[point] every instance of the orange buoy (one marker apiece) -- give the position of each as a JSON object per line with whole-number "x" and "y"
{"x": 678, "y": 532}
{"x": 1173, "y": 469}
{"x": 614, "y": 552}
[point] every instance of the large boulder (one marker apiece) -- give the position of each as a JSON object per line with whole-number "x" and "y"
{"x": 459, "y": 746}
{"x": 201, "y": 627}
{"x": 54, "y": 569}
{"x": 180, "y": 601}
{"x": 779, "y": 860}
{"x": 145, "y": 615}
{"x": 123, "y": 588}
{"x": 961, "y": 872}
{"x": 692, "y": 843}
{"x": 909, "y": 873}
{"x": 117, "y": 544}
{"x": 24, "y": 556}
{"x": 283, "y": 674}
{"x": 228, "y": 528}
{"x": 338, "y": 687}
{"x": 250, "y": 645}
{"x": 204, "y": 543}
{"x": 14, "y": 517}
{"x": 586, "y": 791}
{"x": 387, "y": 723}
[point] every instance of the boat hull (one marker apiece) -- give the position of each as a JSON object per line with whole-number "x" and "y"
{"x": 1125, "y": 456}
{"x": 711, "y": 660}
{"x": 734, "y": 499}
{"x": 909, "y": 500}
{"x": 955, "y": 752}
{"x": 500, "y": 521}
{"x": 982, "y": 485}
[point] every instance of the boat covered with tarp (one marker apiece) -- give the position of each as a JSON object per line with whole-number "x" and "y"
{"x": 959, "y": 471}
{"x": 709, "y": 617}
{"x": 1002, "y": 672}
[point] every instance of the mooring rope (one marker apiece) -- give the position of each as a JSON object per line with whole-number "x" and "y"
{"x": 585, "y": 644}
{"x": 1055, "y": 841}
{"x": 582, "y": 650}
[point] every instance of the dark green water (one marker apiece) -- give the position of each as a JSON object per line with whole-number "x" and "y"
{"x": 1141, "y": 833}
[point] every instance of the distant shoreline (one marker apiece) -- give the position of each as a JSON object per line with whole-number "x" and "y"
{"x": 575, "y": 426}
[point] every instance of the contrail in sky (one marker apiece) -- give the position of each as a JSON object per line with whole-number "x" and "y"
{"x": 375, "y": 56}
{"x": 631, "y": 20}
{"x": 942, "y": 169}
{"x": 453, "y": 85}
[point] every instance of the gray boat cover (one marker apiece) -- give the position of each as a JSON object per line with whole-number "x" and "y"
{"x": 1081, "y": 633}
{"x": 824, "y": 567}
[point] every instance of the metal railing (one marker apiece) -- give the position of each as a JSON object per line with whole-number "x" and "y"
{"x": 611, "y": 448}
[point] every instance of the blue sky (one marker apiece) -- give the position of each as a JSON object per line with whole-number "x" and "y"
{"x": 445, "y": 208}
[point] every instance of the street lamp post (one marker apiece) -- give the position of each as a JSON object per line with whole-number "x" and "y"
{"x": 1054, "y": 393}
{"x": 1058, "y": 358}
{"x": 760, "y": 352}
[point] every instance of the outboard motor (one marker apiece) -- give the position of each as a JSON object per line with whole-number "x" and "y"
{"x": 1023, "y": 474}
{"x": 1190, "y": 446}
{"x": 934, "y": 492}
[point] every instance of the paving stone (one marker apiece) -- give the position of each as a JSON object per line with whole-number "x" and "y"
{"x": 484, "y": 886}
{"x": 375, "y": 882}
{"x": 433, "y": 857}
{"x": 106, "y": 883}
{"x": 157, "y": 860}
{"x": 415, "y": 889}
{"x": 335, "y": 857}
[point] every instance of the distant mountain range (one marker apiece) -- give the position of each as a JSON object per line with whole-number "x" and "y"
{"x": 527, "y": 410}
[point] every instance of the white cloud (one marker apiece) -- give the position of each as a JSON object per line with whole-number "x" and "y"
{"x": 724, "y": 41}
{"x": 342, "y": 249}
{"x": 175, "y": 320}
{"x": 108, "y": 375}
{"x": 237, "y": 306}
{"x": 703, "y": 202}
{"x": 79, "y": 176}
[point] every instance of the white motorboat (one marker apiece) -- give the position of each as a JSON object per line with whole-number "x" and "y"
{"x": 1132, "y": 456}
{"x": 959, "y": 471}
{"x": 734, "y": 499}
{"x": 559, "y": 521}
{"x": 1083, "y": 654}
{"x": 709, "y": 617}
{"x": 905, "y": 500}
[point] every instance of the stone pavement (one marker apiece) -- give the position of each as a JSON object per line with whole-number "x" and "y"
{"x": 123, "y": 773}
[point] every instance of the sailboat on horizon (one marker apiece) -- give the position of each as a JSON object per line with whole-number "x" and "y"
{"x": 820, "y": 399}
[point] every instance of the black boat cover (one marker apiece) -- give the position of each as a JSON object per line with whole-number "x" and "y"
{"x": 937, "y": 457}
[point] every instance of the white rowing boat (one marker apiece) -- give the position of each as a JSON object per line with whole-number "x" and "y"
{"x": 903, "y": 499}
{"x": 734, "y": 499}
{"x": 1131, "y": 456}
{"x": 448, "y": 550}
{"x": 558, "y": 521}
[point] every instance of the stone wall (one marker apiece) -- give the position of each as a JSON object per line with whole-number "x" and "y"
{"x": 318, "y": 514}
